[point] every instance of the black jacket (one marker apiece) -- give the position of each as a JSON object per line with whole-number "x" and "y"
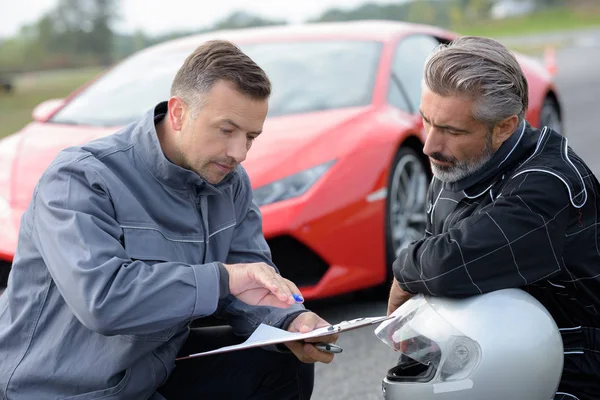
{"x": 530, "y": 218}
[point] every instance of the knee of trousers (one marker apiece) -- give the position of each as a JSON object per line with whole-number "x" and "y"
{"x": 287, "y": 365}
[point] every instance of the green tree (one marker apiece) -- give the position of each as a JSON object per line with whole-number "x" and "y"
{"x": 477, "y": 9}
{"x": 422, "y": 11}
{"x": 78, "y": 30}
{"x": 101, "y": 36}
{"x": 549, "y": 3}
{"x": 243, "y": 19}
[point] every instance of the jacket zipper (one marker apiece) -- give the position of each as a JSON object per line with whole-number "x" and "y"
{"x": 204, "y": 225}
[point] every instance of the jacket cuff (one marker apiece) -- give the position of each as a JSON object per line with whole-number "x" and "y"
{"x": 207, "y": 278}
{"x": 223, "y": 281}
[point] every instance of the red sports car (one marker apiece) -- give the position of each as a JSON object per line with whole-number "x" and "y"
{"x": 338, "y": 172}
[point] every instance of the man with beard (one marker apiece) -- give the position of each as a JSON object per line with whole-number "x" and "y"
{"x": 509, "y": 205}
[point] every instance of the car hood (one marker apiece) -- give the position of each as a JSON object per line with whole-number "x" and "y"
{"x": 25, "y": 156}
{"x": 292, "y": 143}
{"x": 287, "y": 145}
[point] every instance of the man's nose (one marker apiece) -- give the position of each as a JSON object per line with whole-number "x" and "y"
{"x": 238, "y": 148}
{"x": 434, "y": 142}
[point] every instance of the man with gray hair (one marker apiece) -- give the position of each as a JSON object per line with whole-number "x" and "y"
{"x": 509, "y": 205}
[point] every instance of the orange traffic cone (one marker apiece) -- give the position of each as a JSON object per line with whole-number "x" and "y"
{"x": 550, "y": 60}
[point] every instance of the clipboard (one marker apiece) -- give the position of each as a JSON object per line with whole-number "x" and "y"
{"x": 266, "y": 335}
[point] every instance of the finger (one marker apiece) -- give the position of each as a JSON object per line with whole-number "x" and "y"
{"x": 390, "y": 309}
{"x": 396, "y": 298}
{"x": 260, "y": 296}
{"x": 293, "y": 290}
{"x": 326, "y": 339}
{"x": 315, "y": 355}
{"x": 321, "y": 322}
{"x": 283, "y": 285}
{"x": 313, "y": 322}
{"x": 274, "y": 301}
{"x": 392, "y": 306}
{"x": 281, "y": 291}
{"x": 308, "y": 353}
{"x": 305, "y": 322}
{"x": 265, "y": 276}
{"x": 296, "y": 348}
{"x": 395, "y": 301}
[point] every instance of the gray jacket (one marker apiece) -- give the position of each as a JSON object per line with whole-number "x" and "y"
{"x": 116, "y": 256}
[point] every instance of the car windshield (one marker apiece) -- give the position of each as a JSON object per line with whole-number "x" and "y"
{"x": 306, "y": 76}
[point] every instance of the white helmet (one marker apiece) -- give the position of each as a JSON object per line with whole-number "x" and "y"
{"x": 496, "y": 346}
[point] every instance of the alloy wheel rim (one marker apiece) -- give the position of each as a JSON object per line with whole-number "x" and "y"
{"x": 550, "y": 118}
{"x": 408, "y": 195}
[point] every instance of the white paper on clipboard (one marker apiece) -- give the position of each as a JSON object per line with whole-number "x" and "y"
{"x": 266, "y": 335}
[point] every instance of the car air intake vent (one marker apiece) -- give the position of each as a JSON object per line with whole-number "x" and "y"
{"x": 4, "y": 270}
{"x": 297, "y": 262}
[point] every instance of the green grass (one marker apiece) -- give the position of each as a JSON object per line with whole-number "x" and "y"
{"x": 544, "y": 21}
{"x": 33, "y": 88}
{"x": 535, "y": 50}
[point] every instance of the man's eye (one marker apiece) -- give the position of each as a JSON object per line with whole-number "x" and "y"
{"x": 251, "y": 137}
{"x": 226, "y": 131}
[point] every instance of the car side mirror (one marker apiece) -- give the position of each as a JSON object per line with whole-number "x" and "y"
{"x": 46, "y": 108}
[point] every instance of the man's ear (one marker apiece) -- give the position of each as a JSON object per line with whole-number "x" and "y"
{"x": 503, "y": 130}
{"x": 177, "y": 109}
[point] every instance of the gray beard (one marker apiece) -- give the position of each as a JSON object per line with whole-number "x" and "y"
{"x": 462, "y": 169}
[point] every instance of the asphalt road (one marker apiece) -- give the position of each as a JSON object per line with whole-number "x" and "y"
{"x": 357, "y": 372}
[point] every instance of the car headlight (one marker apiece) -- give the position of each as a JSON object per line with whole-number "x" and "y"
{"x": 291, "y": 186}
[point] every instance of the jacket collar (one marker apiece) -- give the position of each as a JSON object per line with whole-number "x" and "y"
{"x": 521, "y": 142}
{"x": 148, "y": 149}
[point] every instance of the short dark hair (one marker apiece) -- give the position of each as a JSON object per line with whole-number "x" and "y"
{"x": 216, "y": 60}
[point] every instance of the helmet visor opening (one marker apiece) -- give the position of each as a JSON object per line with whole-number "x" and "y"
{"x": 409, "y": 370}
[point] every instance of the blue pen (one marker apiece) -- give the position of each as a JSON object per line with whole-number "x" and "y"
{"x": 298, "y": 298}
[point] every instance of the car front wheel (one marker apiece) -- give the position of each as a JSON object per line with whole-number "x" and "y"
{"x": 4, "y": 271}
{"x": 406, "y": 202}
{"x": 550, "y": 115}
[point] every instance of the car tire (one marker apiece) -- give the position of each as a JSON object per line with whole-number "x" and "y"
{"x": 550, "y": 115}
{"x": 4, "y": 278}
{"x": 406, "y": 214}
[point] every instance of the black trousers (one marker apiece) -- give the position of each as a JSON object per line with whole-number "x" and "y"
{"x": 255, "y": 374}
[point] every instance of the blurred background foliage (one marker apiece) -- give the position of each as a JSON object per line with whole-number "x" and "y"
{"x": 78, "y": 33}
{"x": 75, "y": 41}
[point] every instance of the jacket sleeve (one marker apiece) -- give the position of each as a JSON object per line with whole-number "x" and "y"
{"x": 248, "y": 246}
{"x": 515, "y": 241}
{"x": 76, "y": 233}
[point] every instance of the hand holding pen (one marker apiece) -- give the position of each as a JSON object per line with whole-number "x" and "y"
{"x": 259, "y": 284}
{"x": 308, "y": 350}
{"x": 328, "y": 348}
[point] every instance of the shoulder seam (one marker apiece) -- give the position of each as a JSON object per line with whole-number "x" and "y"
{"x": 571, "y": 196}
